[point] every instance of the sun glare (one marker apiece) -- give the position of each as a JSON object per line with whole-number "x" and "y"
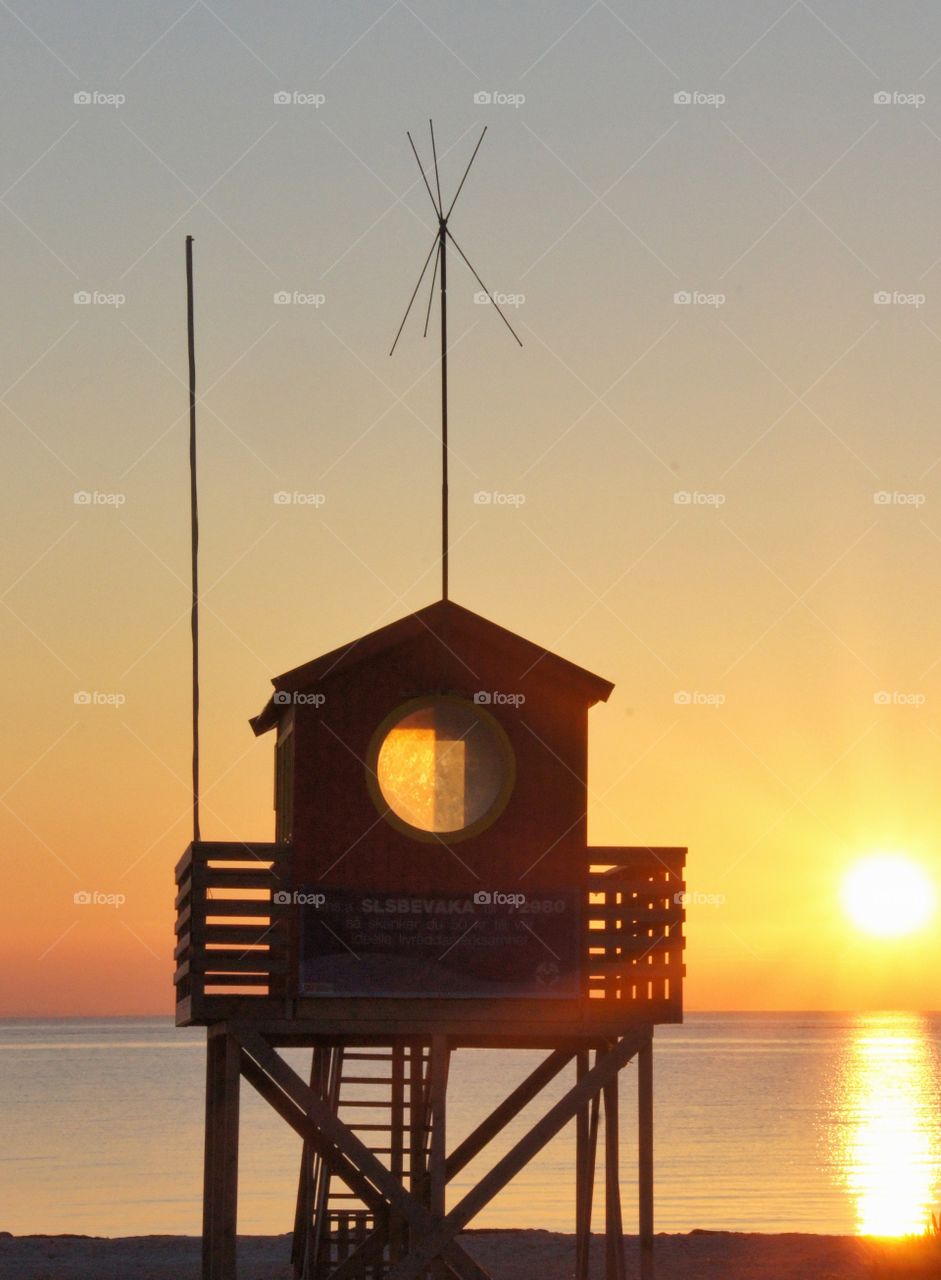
{"x": 888, "y": 1138}
{"x": 888, "y": 895}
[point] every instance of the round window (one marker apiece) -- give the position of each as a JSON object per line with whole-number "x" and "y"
{"x": 441, "y": 766}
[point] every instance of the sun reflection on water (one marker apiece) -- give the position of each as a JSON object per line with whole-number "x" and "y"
{"x": 891, "y": 1156}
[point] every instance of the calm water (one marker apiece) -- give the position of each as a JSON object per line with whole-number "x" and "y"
{"x": 808, "y": 1122}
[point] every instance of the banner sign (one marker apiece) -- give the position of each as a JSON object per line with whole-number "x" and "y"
{"x": 490, "y": 943}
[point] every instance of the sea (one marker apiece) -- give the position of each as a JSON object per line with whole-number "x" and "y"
{"x": 814, "y": 1122}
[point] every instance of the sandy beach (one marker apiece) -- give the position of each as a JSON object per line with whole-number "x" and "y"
{"x": 507, "y": 1255}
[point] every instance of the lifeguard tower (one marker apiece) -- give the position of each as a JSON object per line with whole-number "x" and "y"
{"x": 430, "y": 888}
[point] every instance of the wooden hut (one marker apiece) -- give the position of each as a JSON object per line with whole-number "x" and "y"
{"x": 430, "y": 888}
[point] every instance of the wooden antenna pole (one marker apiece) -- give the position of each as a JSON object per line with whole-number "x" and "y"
{"x": 443, "y": 286}
{"x": 194, "y": 527}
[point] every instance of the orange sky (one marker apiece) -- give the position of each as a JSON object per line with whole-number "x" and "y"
{"x": 720, "y": 437}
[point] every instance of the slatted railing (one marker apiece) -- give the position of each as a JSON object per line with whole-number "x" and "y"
{"x": 634, "y": 938}
{"x": 233, "y": 931}
{"x": 231, "y": 928}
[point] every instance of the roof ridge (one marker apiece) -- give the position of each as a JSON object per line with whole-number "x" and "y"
{"x": 400, "y": 631}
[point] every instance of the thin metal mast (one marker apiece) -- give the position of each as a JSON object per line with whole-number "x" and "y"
{"x": 443, "y": 287}
{"x": 194, "y": 527}
{"x": 438, "y": 250}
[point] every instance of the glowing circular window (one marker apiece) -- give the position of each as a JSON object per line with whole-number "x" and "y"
{"x": 441, "y": 767}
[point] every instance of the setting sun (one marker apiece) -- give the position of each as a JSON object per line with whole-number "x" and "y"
{"x": 888, "y": 895}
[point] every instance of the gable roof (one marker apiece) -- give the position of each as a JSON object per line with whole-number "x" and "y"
{"x": 429, "y": 620}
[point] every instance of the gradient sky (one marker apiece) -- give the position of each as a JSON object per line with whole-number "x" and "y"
{"x": 784, "y": 587}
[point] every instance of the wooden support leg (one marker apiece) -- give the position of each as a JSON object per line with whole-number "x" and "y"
{"x": 645, "y": 1163}
{"x": 583, "y": 1256}
{"x": 418, "y": 1104}
{"x": 209, "y": 1151}
{"x": 309, "y": 1189}
{"x": 300, "y": 1243}
{"x": 614, "y": 1230}
{"x": 397, "y": 1143}
{"x": 582, "y": 1197}
{"x": 220, "y": 1177}
{"x": 417, "y": 1120}
{"x": 437, "y": 1163}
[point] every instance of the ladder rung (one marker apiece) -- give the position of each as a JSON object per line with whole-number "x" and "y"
{"x": 380, "y": 1104}
{"x": 417, "y": 1130}
{"x": 381, "y": 1057}
{"x": 366, "y": 1080}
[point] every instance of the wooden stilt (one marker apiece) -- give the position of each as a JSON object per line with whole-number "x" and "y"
{"x": 614, "y": 1231}
{"x": 645, "y": 1161}
{"x": 220, "y": 1178}
{"x": 437, "y": 1162}
{"x": 583, "y": 1254}
{"x": 397, "y": 1144}
{"x": 209, "y": 1151}
{"x": 418, "y": 1111}
{"x": 417, "y": 1120}
{"x": 582, "y": 1202}
{"x": 300, "y": 1243}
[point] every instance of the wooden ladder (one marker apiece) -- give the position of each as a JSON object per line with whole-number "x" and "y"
{"x": 382, "y": 1093}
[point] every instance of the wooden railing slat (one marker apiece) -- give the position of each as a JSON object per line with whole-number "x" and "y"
{"x": 235, "y": 979}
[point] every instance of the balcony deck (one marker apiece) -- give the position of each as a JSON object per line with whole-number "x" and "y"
{"x": 233, "y": 958}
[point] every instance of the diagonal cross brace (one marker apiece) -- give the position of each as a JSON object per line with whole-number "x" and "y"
{"x": 321, "y": 1122}
{"x": 471, "y": 1147}
{"x": 606, "y": 1069}
{"x": 507, "y": 1110}
{"x": 357, "y": 1164}
{"x": 302, "y": 1125}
